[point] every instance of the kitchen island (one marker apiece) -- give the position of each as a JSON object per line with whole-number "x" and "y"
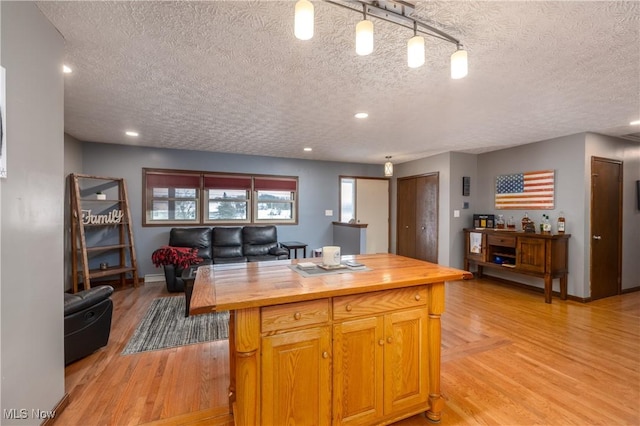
{"x": 357, "y": 346}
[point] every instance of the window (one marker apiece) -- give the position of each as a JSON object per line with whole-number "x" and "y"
{"x": 172, "y": 198}
{"x": 200, "y": 198}
{"x": 227, "y": 198}
{"x": 347, "y": 199}
{"x": 275, "y": 199}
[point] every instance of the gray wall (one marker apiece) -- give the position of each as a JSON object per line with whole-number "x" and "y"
{"x": 564, "y": 155}
{"x": 570, "y": 157}
{"x": 31, "y": 224}
{"x": 629, "y": 153}
{"x": 318, "y": 187}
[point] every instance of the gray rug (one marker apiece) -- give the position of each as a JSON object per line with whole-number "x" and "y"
{"x": 165, "y": 326}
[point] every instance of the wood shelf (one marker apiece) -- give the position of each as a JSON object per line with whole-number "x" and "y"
{"x": 121, "y": 230}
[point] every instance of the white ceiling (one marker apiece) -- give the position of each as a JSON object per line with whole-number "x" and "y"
{"x": 229, "y": 76}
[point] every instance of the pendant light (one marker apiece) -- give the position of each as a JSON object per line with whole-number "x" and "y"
{"x": 459, "y": 63}
{"x": 415, "y": 49}
{"x": 388, "y": 167}
{"x": 303, "y": 21}
{"x": 364, "y": 35}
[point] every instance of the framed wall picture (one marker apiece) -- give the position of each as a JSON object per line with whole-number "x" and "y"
{"x": 466, "y": 186}
{"x": 3, "y": 125}
{"x": 526, "y": 191}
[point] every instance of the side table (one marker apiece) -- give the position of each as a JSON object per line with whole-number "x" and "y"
{"x": 295, "y": 245}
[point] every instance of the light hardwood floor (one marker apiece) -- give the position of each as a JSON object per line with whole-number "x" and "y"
{"x": 508, "y": 359}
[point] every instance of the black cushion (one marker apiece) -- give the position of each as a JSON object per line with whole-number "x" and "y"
{"x": 192, "y": 237}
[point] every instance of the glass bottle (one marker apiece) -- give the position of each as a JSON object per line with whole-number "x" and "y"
{"x": 561, "y": 223}
{"x": 511, "y": 223}
{"x": 525, "y": 220}
{"x": 500, "y": 222}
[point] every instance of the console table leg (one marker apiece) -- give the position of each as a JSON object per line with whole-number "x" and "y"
{"x": 547, "y": 288}
{"x": 563, "y": 287}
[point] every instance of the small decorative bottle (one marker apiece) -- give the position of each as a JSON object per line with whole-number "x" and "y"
{"x": 525, "y": 220}
{"x": 561, "y": 223}
{"x": 500, "y": 222}
{"x": 545, "y": 226}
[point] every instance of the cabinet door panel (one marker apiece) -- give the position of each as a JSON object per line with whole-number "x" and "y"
{"x": 406, "y": 380}
{"x": 296, "y": 382}
{"x": 358, "y": 371}
{"x": 531, "y": 254}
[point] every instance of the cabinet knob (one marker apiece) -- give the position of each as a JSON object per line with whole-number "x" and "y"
{"x": 389, "y": 339}
{"x": 325, "y": 354}
{"x": 406, "y": 227}
{"x": 348, "y": 307}
{"x": 297, "y": 316}
{"x": 381, "y": 342}
{"x": 417, "y": 297}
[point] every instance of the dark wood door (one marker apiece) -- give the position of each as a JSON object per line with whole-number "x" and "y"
{"x": 427, "y": 218}
{"x": 406, "y": 230}
{"x": 606, "y": 227}
{"x": 417, "y": 231}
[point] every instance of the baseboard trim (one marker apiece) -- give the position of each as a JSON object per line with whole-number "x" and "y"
{"x": 58, "y": 409}
{"x": 154, "y": 278}
{"x": 630, "y": 290}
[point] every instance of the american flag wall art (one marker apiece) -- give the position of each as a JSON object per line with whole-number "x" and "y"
{"x": 530, "y": 190}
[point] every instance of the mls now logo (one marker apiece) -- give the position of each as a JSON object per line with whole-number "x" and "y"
{"x": 15, "y": 413}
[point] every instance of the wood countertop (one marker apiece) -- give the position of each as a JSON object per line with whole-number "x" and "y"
{"x": 240, "y": 286}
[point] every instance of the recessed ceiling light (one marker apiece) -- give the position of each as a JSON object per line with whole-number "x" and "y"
{"x": 66, "y": 69}
{"x": 361, "y": 115}
{"x": 308, "y": 149}
{"x": 635, "y": 123}
{"x": 131, "y": 133}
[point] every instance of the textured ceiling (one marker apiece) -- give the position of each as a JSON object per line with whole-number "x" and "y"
{"x": 229, "y": 76}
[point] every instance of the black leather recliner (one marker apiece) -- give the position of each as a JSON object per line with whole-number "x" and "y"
{"x": 87, "y": 322}
{"x": 199, "y": 238}
{"x": 260, "y": 243}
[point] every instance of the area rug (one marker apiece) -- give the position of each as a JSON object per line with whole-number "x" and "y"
{"x": 165, "y": 326}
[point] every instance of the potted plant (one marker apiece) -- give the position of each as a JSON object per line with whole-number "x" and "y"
{"x": 101, "y": 196}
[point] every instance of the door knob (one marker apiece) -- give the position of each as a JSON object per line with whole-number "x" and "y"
{"x": 597, "y": 237}
{"x": 423, "y": 228}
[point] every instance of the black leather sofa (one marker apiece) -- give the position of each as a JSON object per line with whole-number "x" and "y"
{"x": 87, "y": 321}
{"x": 221, "y": 244}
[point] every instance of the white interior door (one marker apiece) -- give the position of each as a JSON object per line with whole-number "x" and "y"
{"x": 372, "y": 208}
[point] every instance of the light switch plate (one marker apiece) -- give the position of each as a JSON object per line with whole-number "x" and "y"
{"x": 328, "y": 212}
{"x": 456, "y": 213}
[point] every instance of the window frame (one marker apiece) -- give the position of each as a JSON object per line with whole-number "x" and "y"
{"x": 206, "y": 182}
{"x": 148, "y": 197}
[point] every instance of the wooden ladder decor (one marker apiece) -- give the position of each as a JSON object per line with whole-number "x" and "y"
{"x": 101, "y": 235}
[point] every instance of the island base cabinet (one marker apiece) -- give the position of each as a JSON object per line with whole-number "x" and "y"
{"x": 381, "y": 368}
{"x": 296, "y": 381}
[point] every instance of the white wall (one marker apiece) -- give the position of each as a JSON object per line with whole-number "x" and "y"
{"x": 31, "y": 239}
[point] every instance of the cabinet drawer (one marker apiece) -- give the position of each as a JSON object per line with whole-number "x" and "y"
{"x": 503, "y": 241}
{"x": 293, "y": 315}
{"x": 377, "y": 302}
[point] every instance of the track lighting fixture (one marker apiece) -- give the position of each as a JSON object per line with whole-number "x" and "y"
{"x": 397, "y": 12}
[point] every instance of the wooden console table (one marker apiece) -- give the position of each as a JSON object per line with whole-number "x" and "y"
{"x": 360, "y": 347}
{"x": 539, "y": 255}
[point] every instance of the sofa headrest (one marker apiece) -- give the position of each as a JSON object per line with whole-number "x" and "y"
{"x": 227, "y": 236}
{"x": 199, "y": 238}
{"x": 259, "y": 234}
